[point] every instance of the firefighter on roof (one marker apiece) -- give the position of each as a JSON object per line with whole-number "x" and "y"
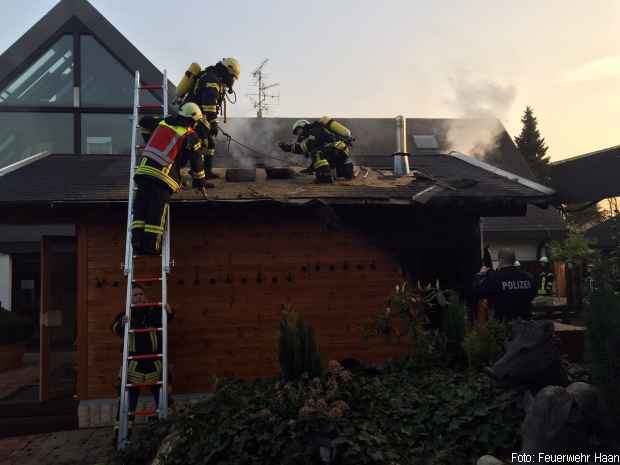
{"x": 207, "y": 89}
{"x": 327, "y": 143}
{"x": 173, "y": 143}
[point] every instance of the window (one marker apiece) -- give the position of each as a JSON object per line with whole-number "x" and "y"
{"x": 47, "y": 82}
{"x": 25, "y": 134}
{"x": 105, "y": 81}
{"x": 106, "y": 134}
{"x": 425, "y": 142}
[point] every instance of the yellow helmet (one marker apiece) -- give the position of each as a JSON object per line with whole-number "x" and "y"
{"x": 191, "y": 110}
{"x": 233, "y": 66}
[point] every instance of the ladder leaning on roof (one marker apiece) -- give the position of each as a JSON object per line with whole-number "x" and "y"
{"x": 128, "y": 270}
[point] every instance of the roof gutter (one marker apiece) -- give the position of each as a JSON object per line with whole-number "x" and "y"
{"x": 21, "y": 163}
{"x": 503, "y": 173}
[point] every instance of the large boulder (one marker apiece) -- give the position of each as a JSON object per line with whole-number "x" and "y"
{"x": 531, "y": 357}
{"x": 567, "y": 420}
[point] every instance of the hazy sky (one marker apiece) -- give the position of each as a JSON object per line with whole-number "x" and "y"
{"x": 420, "y": 59}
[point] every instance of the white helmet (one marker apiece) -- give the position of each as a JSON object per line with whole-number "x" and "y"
{"x": 517, "y": 263}
{"x": 191, "y": 110}
{"x": 233, "y": 66}
{"x": 543, "y": 259}
{"x": 300, "y": 124}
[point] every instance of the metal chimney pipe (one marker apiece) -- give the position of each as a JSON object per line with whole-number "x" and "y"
{"x": 401, "y": 158}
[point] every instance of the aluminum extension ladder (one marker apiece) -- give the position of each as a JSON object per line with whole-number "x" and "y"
{"x": 128, "y": 270}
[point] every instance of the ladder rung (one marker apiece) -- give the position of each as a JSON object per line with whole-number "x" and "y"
{"x": 145, "y": 330}
{"x": 145, "y": 357}
{"x": 150, "y": 87}
{"x": 147, "y": 304}
{"x": 145, "y": 256}
{"x": 146, "y": 280}
{"x": 150, "y": 107}
{"x": 154, "y": 383}
{"x": 145, "y": 413}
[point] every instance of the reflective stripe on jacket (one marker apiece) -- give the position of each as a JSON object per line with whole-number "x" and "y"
{"x": 165, "y": 143}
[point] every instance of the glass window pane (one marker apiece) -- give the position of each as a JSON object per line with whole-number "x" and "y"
{"x": 47, "y": 82}
{"x": 106, "y": 133}
{"x": 105, "y": 82}
{"x": 24, "y": 134}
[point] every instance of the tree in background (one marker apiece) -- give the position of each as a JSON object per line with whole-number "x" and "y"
{"x": 583, "y": 216}
{"x": 532, "y": 146}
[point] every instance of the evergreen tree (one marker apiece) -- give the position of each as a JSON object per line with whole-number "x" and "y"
{"x": 532, "y": 146}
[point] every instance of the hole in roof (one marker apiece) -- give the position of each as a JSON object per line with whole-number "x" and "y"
{"x": 426, "y": 142}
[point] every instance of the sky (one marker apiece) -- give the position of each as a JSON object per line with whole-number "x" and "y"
{"x": 359, "y": 58}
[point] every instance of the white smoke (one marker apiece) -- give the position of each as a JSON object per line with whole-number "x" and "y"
{"x": 261, "y": 135}
{"x": 484, "y": 103}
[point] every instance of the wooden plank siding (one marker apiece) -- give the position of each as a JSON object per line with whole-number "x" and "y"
{"x": 232, "y": 275}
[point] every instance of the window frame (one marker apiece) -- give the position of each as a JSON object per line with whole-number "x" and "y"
{"x": 77, "y": 30}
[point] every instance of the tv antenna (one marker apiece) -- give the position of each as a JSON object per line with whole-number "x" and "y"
{"x": 262, "y": 100}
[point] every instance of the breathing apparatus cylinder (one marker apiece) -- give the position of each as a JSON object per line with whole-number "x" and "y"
{"x": 334, "y": 126}
{"x": 188, "y": 80}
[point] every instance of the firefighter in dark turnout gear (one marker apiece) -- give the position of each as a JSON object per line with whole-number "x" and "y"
{"x": 209, "y": 93}
{"x": 509, "y": 289}
{"x": 328, "y": 144}
{"x": 173, "y": 143}
{"x": 142, "y": 343}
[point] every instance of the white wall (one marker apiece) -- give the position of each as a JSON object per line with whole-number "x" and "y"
{"x": 524, "y": 251}
{"x": 6, "y": 281}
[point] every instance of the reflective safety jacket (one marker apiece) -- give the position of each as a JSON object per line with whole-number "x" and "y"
{"x": 169, "y": 148}
{"x": 317, "y": 142}
{"x": 209, "y": 93}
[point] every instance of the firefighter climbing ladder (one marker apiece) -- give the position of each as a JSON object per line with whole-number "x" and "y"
{"x": 128, "y": 270}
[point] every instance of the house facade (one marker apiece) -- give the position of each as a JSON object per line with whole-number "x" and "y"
{"x": 332, "y": 252}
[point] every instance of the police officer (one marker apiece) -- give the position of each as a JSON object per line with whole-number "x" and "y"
{"x": 509, "y": 289}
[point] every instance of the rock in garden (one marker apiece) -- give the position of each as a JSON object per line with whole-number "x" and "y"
{"x": 489, "y": 460}
{"x": 532, "y": 357}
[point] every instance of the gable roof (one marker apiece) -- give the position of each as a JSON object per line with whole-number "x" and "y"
{"x": 71, "y": 15}
{"x": 589, "y": 177}
{"x": 61, "y": 179}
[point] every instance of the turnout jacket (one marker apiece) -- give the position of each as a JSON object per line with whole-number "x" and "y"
{"x": 142, "y": 343}
{"x": 208, "y": 93}
{"x": 315, "y": 139}
{"x": 171, "y": 146}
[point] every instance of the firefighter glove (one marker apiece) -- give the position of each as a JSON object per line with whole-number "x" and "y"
{"x": 285, "y": 146}
{"x": 214, "y": 129}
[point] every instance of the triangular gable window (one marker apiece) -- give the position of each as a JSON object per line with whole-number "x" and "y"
{"x": 105, "y": 81}
{"x": 47, "y": 82}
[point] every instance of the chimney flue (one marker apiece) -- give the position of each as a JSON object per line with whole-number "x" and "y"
{"x": 401, "y": 157}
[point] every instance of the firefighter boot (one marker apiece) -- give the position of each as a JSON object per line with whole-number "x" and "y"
{"x": 209, "y": 168}
{"x": 323, "y": 175}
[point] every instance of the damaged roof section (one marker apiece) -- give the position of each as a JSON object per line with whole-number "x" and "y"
{"x": 104, "y": 178}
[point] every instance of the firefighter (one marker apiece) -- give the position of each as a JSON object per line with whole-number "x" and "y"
{"x": 173, "y": 143}
{"x": 545, "y": 278}
{"x": 327, "y": 143}
{"x": 142, "y": 343}
{"x": 209, "y": 92}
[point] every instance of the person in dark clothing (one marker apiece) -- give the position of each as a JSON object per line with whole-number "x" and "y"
{"x": 510, "y": 290}
{"x": 326, "y": 149}
{"x": 173, "y": 144}
{"x": 209, "y": 94}
{"x": 142, "y": 343}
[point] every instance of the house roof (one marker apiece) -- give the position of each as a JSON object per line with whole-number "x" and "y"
{"x": 104, "y": 178}
{"x": 605, "y": 235}
{"x": 589, "y": 177}
{"x": 64, "y": 15}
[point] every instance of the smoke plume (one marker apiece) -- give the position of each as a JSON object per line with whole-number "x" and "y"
{"x": 484, "y": 103}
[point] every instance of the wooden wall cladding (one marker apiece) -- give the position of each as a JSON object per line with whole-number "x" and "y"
{"x": 232, "y": 275}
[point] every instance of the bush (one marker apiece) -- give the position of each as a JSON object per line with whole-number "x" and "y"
{"x": 298, "y": 351}
{"x": 14, "y": 328}
{"x": 441, "y": 417}
{"x": 485, "y": 342}
{"x": 603, "y": 342}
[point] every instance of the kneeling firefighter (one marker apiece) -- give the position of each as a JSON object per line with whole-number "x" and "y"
{"x": 207, "y": 89}
{"x": 173, "y": 143}
{"x": 327, "y": 143}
